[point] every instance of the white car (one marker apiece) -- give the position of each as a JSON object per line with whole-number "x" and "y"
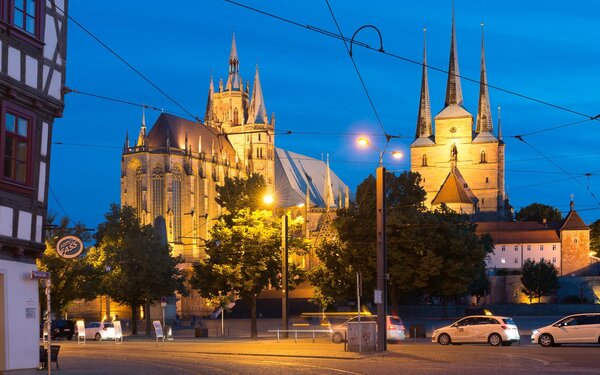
{"x": 572, "y": 329}
{"x": 395, "y": 328}
{"x": 100, "y": 330}
{"x": 494, "y": 330}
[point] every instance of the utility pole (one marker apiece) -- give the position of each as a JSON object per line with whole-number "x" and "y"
{"x": 284, "y": 275}
{"x": 381, "y": 260}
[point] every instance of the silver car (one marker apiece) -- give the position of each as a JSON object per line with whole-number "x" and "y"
{"x": 572, "y": 329}
{"x": 495, "y": 330}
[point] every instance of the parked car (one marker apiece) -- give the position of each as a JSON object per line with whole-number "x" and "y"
{"x": 60, "y": 328}
{"x": 395, "y": 328}
{"x": 100, "y": 330}
{"x": 572, "y": 329}
{"x": 494, "y": 330}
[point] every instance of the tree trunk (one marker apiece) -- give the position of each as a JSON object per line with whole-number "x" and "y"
{"x": 253, "y": 324}
{"x": 134, "y": 319}
{"x": 148, "y": 319}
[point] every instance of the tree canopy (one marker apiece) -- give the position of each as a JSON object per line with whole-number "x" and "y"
{"x": 595, "y": 237}
{"x": 539, "y": 279}
{"x": 539, "y": 212}
{"x": 137, "y": 264}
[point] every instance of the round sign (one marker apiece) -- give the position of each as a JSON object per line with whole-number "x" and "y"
{"x": 69, "y": 247}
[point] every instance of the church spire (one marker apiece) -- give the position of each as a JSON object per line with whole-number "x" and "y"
{"x": 329, "y": 199}
{"x": 453, "y": 89}
{"x": 126, "y": 145}
{"x": 258, "y": 111}
{"x": 141, "y": 141}
{"x": 424, "y": 116}
{"x": 208, "y": 115}
{"x": 484, "y": 112}
{"x": 234, "y": 81}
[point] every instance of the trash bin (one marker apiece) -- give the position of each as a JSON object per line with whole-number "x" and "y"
{"x": 200, "y": 332}
{"x": 417, "y": 331}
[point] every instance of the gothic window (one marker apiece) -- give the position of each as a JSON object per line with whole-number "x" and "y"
{"x": 483, "y": 157}
{"x": 16, "y": 141}
{"x": 236, "y": 120}
{"x": 177, "y": 178}
{"x": 487, "y": 180}
{"x": 424, "y": 160}
{"x": 482, "y": 200}
{"x": 139, "y": 201}
{"x": 259, "y": 136}
{"x": 158, "y": 188}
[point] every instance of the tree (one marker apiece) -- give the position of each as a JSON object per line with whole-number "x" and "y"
{"x": 539, "y": 279}
{"x": 244, "y": 250}
{"x": 138, "y": 262}
{"x": 539, "y": 212}
{"x": 595, "y": 237}
{"x": 71, "y": 279}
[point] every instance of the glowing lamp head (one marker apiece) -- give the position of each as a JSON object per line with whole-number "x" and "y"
{"x": 268, "y": 199}
{"x": 362, "y": 141}
{"x": 397, "y": 155}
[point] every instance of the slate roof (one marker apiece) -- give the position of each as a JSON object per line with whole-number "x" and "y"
{"x": 453, "y": 190}
{"x": 574, "y": 222}
{"x": 511, "y": 232}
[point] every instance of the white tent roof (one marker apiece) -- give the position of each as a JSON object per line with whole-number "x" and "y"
{"x": 295, "y": 172}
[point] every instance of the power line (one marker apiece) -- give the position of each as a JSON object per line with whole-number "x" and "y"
{"x": 59, "y": 205}
{"x": 399, "y": 57}
{"x": 113, "y": 52}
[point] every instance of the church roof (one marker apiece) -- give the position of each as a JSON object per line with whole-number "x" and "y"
{"x": 173, "y": 130}
{"x": 485, "y": 137}
{"x": 453, "y": 111}
{"x": 454, "y": 190}
{"x": 512, "y": 232}
{"x": 295, "y": 172}
{"x": 423, "y": 141}
{"x": 573, "y": 222}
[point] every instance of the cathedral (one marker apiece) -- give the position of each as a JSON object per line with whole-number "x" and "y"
{"x": 460, "y": 165}
{"x": 172, "y": 170}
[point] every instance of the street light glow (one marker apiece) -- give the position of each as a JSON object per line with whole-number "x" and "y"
{"x": 268, "y": 199}
{"x": 362, "y": 141}
{"x": 397, "y": 155}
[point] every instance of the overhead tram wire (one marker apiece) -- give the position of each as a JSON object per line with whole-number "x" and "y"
{"x": 113, "y": 52}
{"x": 367, "y": 46}
{"x": 59, "y": 205}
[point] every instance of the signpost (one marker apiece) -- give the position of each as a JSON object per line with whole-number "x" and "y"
{"x": 163, "y": 304}
{"x": 46, "y": 276}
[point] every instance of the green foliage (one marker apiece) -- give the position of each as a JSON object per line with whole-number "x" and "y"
{"x": 138, "y": 264}
{"x": 71, "y": 279}
{"x": 539, "y": 279}
{"x": 435, "y": 253}
{"x": 539, "y": 212}
{"x": 244, "y": 252}
{"x": 595, "y": 237}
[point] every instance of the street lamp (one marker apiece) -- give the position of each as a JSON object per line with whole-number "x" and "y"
{"x": 380, "y": 296}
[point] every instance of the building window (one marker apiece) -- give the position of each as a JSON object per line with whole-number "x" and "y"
{"x": 487, "y": 180}
{"x": 259, "y": 136}
{"x": 236, "y": 120}
{"x": 483, "y": 158}
{"x": 158, "y": 187}
{"x": 26, "y": 16}
{"x": 541, "y": 259}
{"x": 516, "y": 247}
{"x": 553, "y": 247}
{"x": 503, "y": 260}
{"x": 138, "y": 191}
{"x": 553, "y": 259}
{"x": 541, "y": 247}
{"x": 17, "y": 147}
{"x": 177, "y": 205}
{"x": 424, "y": 160}
{"x": 503, "y": 247}
{"x": 574, "y": 240}
{"x": 528, "y": 247}
{"x": 516, "y": 260}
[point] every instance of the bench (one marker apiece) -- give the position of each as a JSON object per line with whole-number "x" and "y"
{"x": 54, "y": 349}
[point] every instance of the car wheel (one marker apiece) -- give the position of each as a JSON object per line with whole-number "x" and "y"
{"x": 98, "y": 337}
{"x": 546, "y": 340}
{"x": 444, "y": 339}
{"x": 337, "y": 338}
{"x": 495, "y": 339}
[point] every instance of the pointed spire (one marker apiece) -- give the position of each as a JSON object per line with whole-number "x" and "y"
{"x": 453, "y": 89}
{"x": 347, "y": 202}
{"x": 328, "y": 188}
{"x": 141, "y": 141}
{"x": 208, "y": 115}
{"x": 499, "y": 126}
{"x": 572, "y": 203}
{"x": 424, "y": 116}
{"x": 234, "y": 81}
{"x": 126, "y": 145}
{"x": 484, "y": 111}
{"x": 258, "y": 111}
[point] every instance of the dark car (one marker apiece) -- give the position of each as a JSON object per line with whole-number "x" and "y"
{"x": 60, "y": 328}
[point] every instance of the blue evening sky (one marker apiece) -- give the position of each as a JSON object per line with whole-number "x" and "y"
{"x": 546, "y": 50}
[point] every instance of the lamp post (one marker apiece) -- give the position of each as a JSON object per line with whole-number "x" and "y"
{"x": 380, "y": 296}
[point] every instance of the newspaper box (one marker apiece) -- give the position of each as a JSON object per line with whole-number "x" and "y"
{"x": 362, "y": 337}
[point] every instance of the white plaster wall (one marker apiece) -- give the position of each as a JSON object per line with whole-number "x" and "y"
{"x": 6, "y": 221}
{"x": 55, "y": 85}
{"x": 14, "y": 63}
{"x": 22, "y": 333}
{"x": 50, "y": 37}
{"x": 31, "y": 72}
{"x": 44, "y": 148}
{"x": 39, "y": 222}
{"x": 535, "y": 254}
{"x": 42, "y": 182}
{"x": 24, "y": 226}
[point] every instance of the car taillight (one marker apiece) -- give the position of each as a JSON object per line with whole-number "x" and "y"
{"x": 504, "y": 326}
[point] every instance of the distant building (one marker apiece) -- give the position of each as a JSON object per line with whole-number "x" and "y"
{"x": 32, "y": 75}
{"x": 461, "y": 166}
{"x": 565, "y": 244}
{"x": 173, "y": 169}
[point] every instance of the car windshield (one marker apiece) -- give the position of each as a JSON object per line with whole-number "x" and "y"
{"x": 396, "y": 321}
{"x": 109, "y": 325}
{"x": 508, "y": 321}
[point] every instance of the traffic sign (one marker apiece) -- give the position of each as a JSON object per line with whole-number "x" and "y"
{"x": 40, "y": 275}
